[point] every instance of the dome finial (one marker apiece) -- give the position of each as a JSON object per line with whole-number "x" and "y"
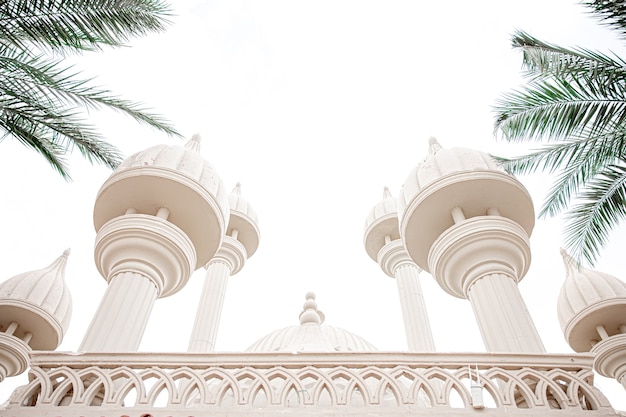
{"x": 194, "y": 143}
{"x": 237, "y": 189}
{"x": 386, "y": 193}
{"x": 571, "y": 265}
{"x": 310, "y": 314}
{"x": 433, "y": 145}
{"x": 66, "y": 252}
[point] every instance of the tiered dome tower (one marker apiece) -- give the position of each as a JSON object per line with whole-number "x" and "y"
{"x": 592, "y": 314}
{"x": 159, "y": 216}
{"x": 241, "y": 242}
{"x": 35, "y": 311}
{"x": 467, "y": 222}
{"x": 383, "y": 245}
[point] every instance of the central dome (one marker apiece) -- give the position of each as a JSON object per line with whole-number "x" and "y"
{"x": 311, "y": 336}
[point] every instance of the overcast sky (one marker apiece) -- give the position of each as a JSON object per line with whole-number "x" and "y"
{"x": 314, "y": 107}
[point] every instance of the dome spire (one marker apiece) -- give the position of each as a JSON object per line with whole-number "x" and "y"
{"x": 386, "y": 193}
{"x": 310, "y": 313}
{"x": 433, "y": 145}
{"x": 237, "y": 189}
{"x": 194, "y": 143}
{"x": 571, "y": 265}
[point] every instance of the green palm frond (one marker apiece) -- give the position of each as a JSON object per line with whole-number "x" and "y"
{"x": 575, "y": 101}
{"x": 602, "y": 207}
{"x": 60, "y": 86}
{"x": 541, "y": 59}
{"x": 556, "y": 109}
{"x": 611, "y": 12}
{"x": 79, "y": 24}
{"x": 577, "y": 161}
{"x": 32, "y": 110}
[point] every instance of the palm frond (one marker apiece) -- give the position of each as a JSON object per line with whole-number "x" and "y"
{"x": 577, "y": 161}
{"x": 611, "y": 12}
{"x": 555, "y": 109}
{"x": 60, "y": 87}
{"x": 545, "y": 59}
{"x": 60, "y": 25}
{"x": 589, "y": 223}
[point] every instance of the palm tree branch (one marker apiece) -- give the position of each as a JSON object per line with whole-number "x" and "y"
{"x": 61, "y": 130}
{"x": 60, "y": 25}
{"x": 556, "y": 109}
{"x": 577, "y": 160}
{"x": 545, "y": 59}
{"x": 62, "y": 87}
{"x": 589, "y": 223}
{"x": 611, "y": 13}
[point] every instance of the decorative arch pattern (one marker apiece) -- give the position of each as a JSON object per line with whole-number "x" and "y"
{"x": 386, "y": 383}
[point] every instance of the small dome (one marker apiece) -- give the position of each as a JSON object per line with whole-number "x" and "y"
{"x": 441, "y": 162}
{"x": 457, "y": 177}
{"x": 381, "y": 224}
{"x": 244, "y": 219}
{"x": 589, "y": 298}
{"x": 311, "y": 335}
{"x": 40, "y": 303}
{"x": 174, "y": 177}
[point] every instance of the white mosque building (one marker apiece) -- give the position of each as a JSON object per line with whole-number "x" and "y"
{"x": 164, "y": 213}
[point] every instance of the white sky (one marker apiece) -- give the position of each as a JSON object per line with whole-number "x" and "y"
{"x": 314, "y": 107}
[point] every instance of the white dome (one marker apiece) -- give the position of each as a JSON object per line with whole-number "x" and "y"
{"x": 177, "y": 178}
{"x": 381, "y": 223}
{"x": 454, "y": 178}
{"x": 589, "y": 298}
{"x": 40, "y": 303}
{"x": 441, "y": 162}
{"x": 243, "y": 218}
{"x": 311, "y": 336}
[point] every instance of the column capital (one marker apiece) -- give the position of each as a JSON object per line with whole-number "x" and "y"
{"x": 477, "y": 247}
{"x": 233, "y": 253}
{"x": 392, "y": 256}
{"x": 147, "y": 245}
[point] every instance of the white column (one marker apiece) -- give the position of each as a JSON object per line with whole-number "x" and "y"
{"x": 396, "y": 263}
{"x": 417, "y": 326}
{"x": 143, "y": 258}
{"x": 482, "y": 259}
{"x": 122, "y": 316}
{"x": 503, "y": 319}
{"x": 209, "y": 310}
{"x": 228, "y": 261}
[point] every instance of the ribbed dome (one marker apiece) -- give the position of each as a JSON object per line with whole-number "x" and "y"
{"x": 40, "y": 303}
{"x": 440, "y": 162}
{"x": 185, "y": 160}
{"x": 456, "y": 178}
{"x": 589, "y": 298}
{"x": 244, "y": 219}
{"x": 381, "y": 223}
{"x": 311, "y": 336}
{"x": 177, "y": 178}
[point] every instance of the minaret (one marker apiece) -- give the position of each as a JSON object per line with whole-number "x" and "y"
{"x": 467, "y": 222}
{"x": 240, "y": 243}
{"x": 160, "y": 215}
{"x": 592, "y": 314}
{"x": 383, "y": 245}
{"x": 35, "y": 311}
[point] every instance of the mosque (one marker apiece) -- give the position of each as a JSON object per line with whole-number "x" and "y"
{"x": 164, "y": 213}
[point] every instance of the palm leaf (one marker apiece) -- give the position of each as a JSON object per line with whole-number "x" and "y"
{"x": 611, "y": 12}
{"x": 589, "y": 223}
{"x": 544, "y": 59}
{"x": 556, "y": 109}
{"x": 577, "y": 160}
{"x": 60, "y": 25}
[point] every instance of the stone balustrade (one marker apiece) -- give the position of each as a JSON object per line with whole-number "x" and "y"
{"x": 337, "y": 384}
